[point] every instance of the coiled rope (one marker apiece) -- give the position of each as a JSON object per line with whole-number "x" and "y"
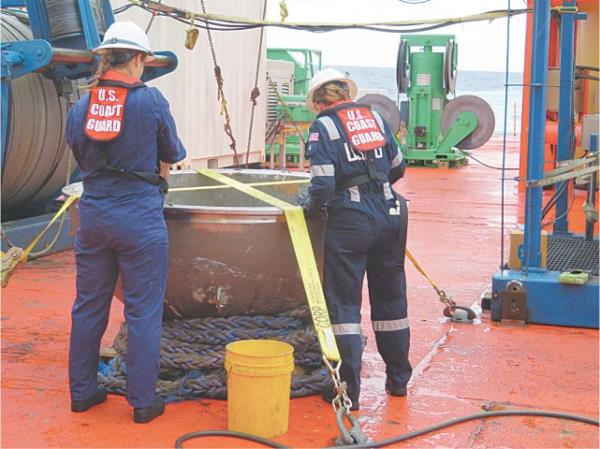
{"x": 193, "y": 353}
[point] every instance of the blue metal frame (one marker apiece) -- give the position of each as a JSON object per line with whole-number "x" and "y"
{"x": 589, "y": 227}
{"x": 12, "y": 4}
{"x": 548, "y": 301}
{"x": 566, "y": 135}
{"x": 88, "y": 21}
{"x": 38, "y": 18}
{"x": 109, "y": 17}
{"x": 537, "y": 126}
{"x": 22, "y": 57}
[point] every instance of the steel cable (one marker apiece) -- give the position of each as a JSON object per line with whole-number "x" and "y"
{"x": 37, "y": 157}
{"x": 225, "y": 23}
{"x": 399, "y": 438}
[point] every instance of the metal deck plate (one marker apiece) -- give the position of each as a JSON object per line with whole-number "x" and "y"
{"x": 566, "y": 253}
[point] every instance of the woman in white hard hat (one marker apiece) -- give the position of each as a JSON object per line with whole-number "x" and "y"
{"x": 124, "y": 139}
{"x": 354, "y": 160}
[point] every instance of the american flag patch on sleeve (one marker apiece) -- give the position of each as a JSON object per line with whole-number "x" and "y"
{"x": 314, "y": 137}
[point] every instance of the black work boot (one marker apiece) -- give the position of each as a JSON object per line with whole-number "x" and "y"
{"x": 394, "y": 388}
{"x": 329, "y": 395}
{"x": 82, "y": 406}
{"x": 142, "y": 415}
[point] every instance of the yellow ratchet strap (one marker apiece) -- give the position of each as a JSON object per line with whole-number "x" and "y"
{"x": 6, "y": 271}
{"x": 70, "y": 200}
{"x": 253, "y": 184}
{"x": 304, "y": 256}
{"x": 420, "y": 269}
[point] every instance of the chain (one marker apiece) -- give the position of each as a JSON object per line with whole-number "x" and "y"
{"x": 445, "y": 298}
{"x": 154, "y": 14}
{"x": 220, "y": 92}
{"x": 342, "y": 405}
{"x": 341, "y": 400}
{"x": 255, "y": 92}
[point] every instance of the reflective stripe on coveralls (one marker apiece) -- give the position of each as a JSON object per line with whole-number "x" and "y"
{"x": 332, "y": 130}
{"x": 378, "y": 326}
{"x": 322, "y": 170}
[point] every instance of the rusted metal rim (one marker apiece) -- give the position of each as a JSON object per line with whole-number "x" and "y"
{"x": 235, "y": 210}
{"x": 254, "y": 212}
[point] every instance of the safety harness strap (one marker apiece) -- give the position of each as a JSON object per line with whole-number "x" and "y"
{"x": 102, "y": 161}
{"x": 117, "y": 83}
{"x": 150, "y": 177}
{"x": 363, "y": 179}
{"x": 371, "y": 175}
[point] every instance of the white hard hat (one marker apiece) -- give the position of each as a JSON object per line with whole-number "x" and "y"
{"x": 326, "y": 76}
{"x": 125, "y": 35}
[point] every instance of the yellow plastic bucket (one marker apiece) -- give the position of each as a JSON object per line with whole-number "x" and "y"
{"x": 259, "y": 377}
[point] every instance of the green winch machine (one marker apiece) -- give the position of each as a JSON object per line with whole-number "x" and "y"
{"x": 294, "y": 116}
{"x": 439, "y": 128}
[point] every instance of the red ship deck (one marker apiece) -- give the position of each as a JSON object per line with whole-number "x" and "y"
{"x": 459, "y": 368}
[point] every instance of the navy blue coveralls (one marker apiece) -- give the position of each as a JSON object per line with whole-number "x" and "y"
{"x": 122, "y": 231}
{"x": 363, "y": 234}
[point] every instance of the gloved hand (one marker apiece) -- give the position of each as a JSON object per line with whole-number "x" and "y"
{"x": 304, "y": 199}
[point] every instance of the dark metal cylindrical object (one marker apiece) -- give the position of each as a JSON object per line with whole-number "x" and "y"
{"x": 229, "y": 253}
{"x": 38, "y": 161}
{"x": 65, "y": 18}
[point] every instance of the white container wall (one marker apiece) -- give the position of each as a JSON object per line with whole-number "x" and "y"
{"x": 192, "y": 89}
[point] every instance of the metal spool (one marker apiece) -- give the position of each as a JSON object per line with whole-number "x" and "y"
{"x": 450, "y": 67}
{"x": 65, "y": 21}
{"x": 485, "y": 120}
{"x": 402, "y": 75}
{"x": 37, "y": 158}
{"x": 385, "y": 107}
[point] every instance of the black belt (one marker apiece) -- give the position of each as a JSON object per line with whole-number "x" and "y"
{"x": 149, "y": 177}
{"x": 371, "y": 175}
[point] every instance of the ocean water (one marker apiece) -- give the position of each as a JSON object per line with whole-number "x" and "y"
{"x": 487, "y": 85}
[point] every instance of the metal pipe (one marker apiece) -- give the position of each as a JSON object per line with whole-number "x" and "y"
{"x": 566, "y": 137}
{"x": 535, "y": 142}
{"x": 502, "y": 184}
{"x": 72, "y": 56}
{"x": 591, "y": 197}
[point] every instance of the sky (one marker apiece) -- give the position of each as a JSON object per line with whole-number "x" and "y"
{"x": 482, "y": 45}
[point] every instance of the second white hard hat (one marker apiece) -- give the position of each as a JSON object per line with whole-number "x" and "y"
{"x": 326, "y": 76}
{"x": 125, "y": 35}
